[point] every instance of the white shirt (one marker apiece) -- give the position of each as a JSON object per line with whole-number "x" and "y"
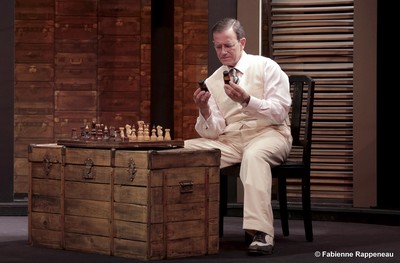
{"x": 270, "y": 101}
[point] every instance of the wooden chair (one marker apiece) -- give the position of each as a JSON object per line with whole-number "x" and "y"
{"x": 298, "y": 163}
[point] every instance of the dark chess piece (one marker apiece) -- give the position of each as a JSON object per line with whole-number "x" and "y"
{"x": 74, "y": 134}
{"x": 118, "y": 137}
{"x": 106, "y": 134}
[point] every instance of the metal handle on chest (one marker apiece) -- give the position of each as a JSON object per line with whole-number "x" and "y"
{"x": 47, "y": 164}
{"x": 88, "y": 172}
{"x": 131, "y": 169}
{"x": 186, "y": 186}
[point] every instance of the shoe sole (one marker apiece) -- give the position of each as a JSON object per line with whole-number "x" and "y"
{"x": 258, "y": 251}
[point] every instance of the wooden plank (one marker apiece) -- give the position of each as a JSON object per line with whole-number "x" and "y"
{"x": 46, "y": 187}
{"x": 137, "y": 195}
{"x": 34, "y": 72}
{"x": 181, "y": 212}
{"x": 45, "y": 204}
{"x": 315, "y": 16}
{"x": 26, "y": 31}
{"x": 313, "y": 52}
{"x": 77, "y": 172}
{"x": 75, "y": 27}
{"x": 311, "y": 23}
{"x": 46, "y": 221}
{"x": 85, "y": 208}
{"x": 130, "y": 212}
{"x": 181, "y": 248}
{"x": 140, "y": 177}
{"x": 337, "y": 33}
{"x": 87, "y": 190}
{"x": 79, "y": 100}
{"x": 122, "y": 8}
{"x": 46, "y": 171}
{"x": 294, "y": 3}
{"x": 134, "y": 249}
{"x": 100, "y": 157}
{"x": 77, "y": 7}
{"x": 87, "y": 243}
{"x": 87, "y": 225}
{"x": 136, "y": 231}
{"x": 313, "y": 45}
{"x": 186, "y": 157}
{"x": 311, "y": 9}
{"x": 48, "y": 238}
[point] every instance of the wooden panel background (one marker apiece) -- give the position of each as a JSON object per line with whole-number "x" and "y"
{"x": 83, "y": 60}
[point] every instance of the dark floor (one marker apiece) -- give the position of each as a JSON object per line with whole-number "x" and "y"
{"x": 330, "y": 239}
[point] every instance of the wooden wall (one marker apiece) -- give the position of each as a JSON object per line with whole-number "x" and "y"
{"x": 82, "y": 60}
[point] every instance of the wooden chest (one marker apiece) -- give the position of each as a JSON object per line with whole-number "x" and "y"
{"x": 143, "y": 204}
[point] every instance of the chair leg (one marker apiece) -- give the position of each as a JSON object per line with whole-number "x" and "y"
{"x": 306, "y": 200}
{"x": 223, "y": 202}
{"x": 283, "y": 204}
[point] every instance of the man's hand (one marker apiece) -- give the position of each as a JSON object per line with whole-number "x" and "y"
{"x": 236, "y": 93}
{"x": 201, "y": 98}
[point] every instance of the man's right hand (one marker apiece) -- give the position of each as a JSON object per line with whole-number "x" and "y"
{"x": 201, "y": 98}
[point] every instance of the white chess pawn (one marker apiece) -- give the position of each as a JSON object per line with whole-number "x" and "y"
{"x": 146, "y": 132}
{"x": 153, "y": 136}
{"x": 128, "y": 129}
{"x": 159, "y": 133}
{"x": 122, "y": 129}
{"x": 140, "y": 135}
{"x": 167, "y": 136}
{"x": 133, "y": 137}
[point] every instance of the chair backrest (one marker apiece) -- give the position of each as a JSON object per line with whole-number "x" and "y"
{"x": 301, "y": 116}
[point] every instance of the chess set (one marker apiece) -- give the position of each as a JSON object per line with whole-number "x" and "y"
{"x": 96, "y": 135}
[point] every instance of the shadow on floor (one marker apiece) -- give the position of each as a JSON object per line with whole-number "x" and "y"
{"x": 333, "y": 242}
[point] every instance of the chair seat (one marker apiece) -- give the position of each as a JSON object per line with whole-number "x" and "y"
{"x": 288, "y": 167}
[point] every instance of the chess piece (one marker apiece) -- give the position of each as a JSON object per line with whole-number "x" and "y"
{"x": 159, "y": 133}
{"x": 112, "y": 133}
{"x": 82, "y": 137}
{"x": 93, "y": 124}
{"x": 167, "y": 136}
{"x": 122, "y": 132}
{"x": 93, "y": 135}
{"x": 203, "y": 85}
{"x": 74, "y": 134}
{"x": 118, "y": 137}
{"x": 140, "y": 136}
{"x": 140, "y": 125}
{"x": 128, "y": 129}
{"x": 146, "y": 132}
{"x": 133, "y": 137}
{"x": 106, "y": 134}
{"x": 87, "y": 132}
{"x": 99, "y": 134}
{"x": 153, "y": 136}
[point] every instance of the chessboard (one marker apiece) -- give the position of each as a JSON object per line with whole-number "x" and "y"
{"x": 98, "y": 135}
{"x": 145, "y": 145}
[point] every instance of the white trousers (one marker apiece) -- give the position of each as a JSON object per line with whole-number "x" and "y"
{"x": 258, "y": 150}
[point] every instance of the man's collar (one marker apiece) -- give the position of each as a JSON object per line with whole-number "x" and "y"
{"x": 241, "y": 64}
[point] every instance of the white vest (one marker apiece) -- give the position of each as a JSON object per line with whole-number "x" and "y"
{"x": 232, "y": 111}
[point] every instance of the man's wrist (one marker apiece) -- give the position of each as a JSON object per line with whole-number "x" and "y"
{"x": 205, "y": 112}
{"x": 245, "y": 102}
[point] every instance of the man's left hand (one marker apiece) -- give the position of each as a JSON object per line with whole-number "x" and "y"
{"x": 236, "y": 93}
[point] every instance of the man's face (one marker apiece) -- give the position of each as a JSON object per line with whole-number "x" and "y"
{"x": 228, "y": 48}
